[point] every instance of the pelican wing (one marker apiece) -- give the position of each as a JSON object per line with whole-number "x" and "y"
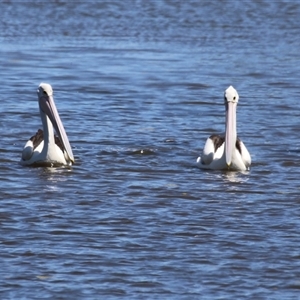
{"x": 208, "y": 152}
{"x": 28, "y": 150}
{"x": 212, "y": 149}
{"x": 244, "y": 154}
{"x": 32, "y": 144}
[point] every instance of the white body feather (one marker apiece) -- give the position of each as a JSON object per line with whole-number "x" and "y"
{"x": 215, "y": 160}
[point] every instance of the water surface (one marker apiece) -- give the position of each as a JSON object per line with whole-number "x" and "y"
{"x": 139, "y": 87}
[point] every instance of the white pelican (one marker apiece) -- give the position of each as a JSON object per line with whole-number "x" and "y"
{"x": 229, "y": 152}
{"x": 44, "y": 148}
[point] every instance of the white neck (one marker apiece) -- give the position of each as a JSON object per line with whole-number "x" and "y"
{"x": 230, "y": 132}
{"x": 231, "y": 119}
{"x": 49, "y": 141}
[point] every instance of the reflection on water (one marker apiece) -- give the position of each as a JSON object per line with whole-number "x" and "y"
{"x": 55, "y": 175}
{"x": 236, "y": 177}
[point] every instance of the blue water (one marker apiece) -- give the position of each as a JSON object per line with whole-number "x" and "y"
{"x": 139, "y": 87}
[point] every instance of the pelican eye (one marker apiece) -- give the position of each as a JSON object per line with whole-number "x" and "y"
{"x": 45, "y": 93}
{"x": 234, "y": 98}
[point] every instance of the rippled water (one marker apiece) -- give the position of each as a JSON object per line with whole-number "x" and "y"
{"x": 139, "y": 86}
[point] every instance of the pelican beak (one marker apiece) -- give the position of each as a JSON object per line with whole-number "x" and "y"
{"x": 230, "y": 133}
{"x": 47, "y": 104}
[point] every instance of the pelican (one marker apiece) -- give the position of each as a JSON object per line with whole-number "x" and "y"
{"x": 44, "y": 148}
{"x": 226, "y": 152}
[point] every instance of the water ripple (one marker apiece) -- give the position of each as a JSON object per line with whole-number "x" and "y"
{"x": 139, "y": 88}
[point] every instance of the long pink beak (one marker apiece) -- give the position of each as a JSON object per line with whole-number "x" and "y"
{"x": 48, "y": 106}
{"x": 230, "y": 134}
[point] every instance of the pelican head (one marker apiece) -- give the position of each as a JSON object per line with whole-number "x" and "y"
{"x": 231, "y": 98}
{"x": 47, "y": 107}
{"x": 231, "y": 95}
